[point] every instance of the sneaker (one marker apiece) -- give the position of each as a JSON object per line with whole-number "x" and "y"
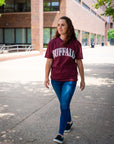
{"x": 59, "y": 139}
{"x": 68, "y": 127}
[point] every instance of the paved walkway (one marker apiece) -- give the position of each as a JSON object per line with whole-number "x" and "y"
{"x": 17, "y": 55}
{"x": 29, "y": 113}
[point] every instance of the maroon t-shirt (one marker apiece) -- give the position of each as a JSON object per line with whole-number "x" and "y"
{"x": 64, "y": 67}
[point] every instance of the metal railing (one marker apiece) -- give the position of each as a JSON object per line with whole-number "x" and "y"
{"x": 2, "y": 48}
{"x": 15, "y": 48}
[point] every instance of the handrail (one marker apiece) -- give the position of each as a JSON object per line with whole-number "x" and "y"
{"x": 17, "y": 48}
{"x": 2, "y": 48}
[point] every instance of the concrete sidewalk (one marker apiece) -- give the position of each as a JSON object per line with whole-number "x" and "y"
{"x": 17, "y": 55}
{"x": 29, "y": 113}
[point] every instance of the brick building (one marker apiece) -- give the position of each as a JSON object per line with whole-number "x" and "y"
{"x": 110, "y": 28}
{"x": 34, "y": 21}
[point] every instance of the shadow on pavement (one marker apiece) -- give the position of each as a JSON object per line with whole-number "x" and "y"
{"x": 29, "y": 113}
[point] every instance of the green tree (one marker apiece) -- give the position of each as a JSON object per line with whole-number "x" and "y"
{"x": 110, "y": 34}
{"x": 46, "y": 6}
{"x": 2, "y": 2}
{"x": 109, "y": 10}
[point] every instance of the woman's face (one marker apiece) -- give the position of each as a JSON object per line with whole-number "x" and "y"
{"x": 62, "y": 27}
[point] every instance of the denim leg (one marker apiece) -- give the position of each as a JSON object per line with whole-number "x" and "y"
{"x": 57, "y": 86}
{"x": 67, "y": 92}
{"x": 69, "y": 116}
{"x": 64, "y": 92}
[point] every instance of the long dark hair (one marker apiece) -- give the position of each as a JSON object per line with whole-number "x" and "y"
{"x": 70, "y": 32}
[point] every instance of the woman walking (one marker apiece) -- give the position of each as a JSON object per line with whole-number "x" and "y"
{"x": 64, "y": 56}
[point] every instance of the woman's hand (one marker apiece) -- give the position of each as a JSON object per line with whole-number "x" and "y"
{"x": 47, "y": 71}
{"x": 82, "y": 85}
{"x": 46, "y": 83}
{"x": 81, "y": 70}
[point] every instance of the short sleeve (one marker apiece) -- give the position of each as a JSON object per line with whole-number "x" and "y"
{"x": 48, "y": 53}
{"x": 79, "y": 52}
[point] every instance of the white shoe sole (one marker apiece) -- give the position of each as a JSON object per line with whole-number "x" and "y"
{"x": 57, "y": 141}
{"x": 67, "y": 131}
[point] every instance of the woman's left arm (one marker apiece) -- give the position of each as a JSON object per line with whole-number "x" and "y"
{"x": 81, "y": 71}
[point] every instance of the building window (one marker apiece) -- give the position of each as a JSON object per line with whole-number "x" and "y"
{"x": 76, "y": 32}
{"x": 93, "y": 12}
{"x": 1, "y": 36}
{"x": 9, "y": 36}
{"x": 28, "y": 35}
{"x": 111, "y": 25}
{"x": 78, "y": 1}
{"x": 20, "y": 6}
{"x": 15, "y": 36}
{"x": 84, "y": 38}
{"x": 53, "y": 30}
{"x": 102, "y": 39}
{"x": 92, "y": 38}
{"x": 28, "y": 5}
{"x": 51, "y": 5}
{"x": 1, "y": 9}
{"x": 16, "y": 6}
{"x": 85, "y": 6}
{"x": 20, "y": 36}
{"x": 98, "y": 16}
{"x": 9, "y": 6}
{"x": 48, "y": 34}
{"x": 98, "y": 39}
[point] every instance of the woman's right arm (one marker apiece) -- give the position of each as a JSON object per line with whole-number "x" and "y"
{"x": 47, "y": 71}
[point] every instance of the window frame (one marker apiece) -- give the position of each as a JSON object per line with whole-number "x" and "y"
{"x": 26, "y": 35}
{"x": 111, "y": 25}
{"x": 86, "y": 42}
{"x": 2, "y": 9}
{"x": 50, "y": 7}
{"x": 85, "y": 6}
{"x": 2, "y": 36}
{"x": 78, "y": 1}
{"x": 51, "y": 36}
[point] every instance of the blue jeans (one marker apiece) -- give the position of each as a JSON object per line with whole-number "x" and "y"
{"x": 64, "y": 91}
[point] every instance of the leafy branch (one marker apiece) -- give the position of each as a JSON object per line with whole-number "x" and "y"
{"x": 109, "y": 7}
{"x": 2, "y": 2}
